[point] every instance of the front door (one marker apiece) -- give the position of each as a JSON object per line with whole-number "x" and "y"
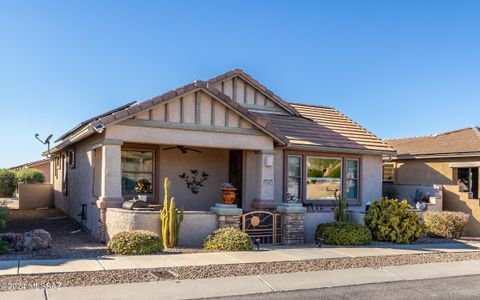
{"x": 236, "y": 174}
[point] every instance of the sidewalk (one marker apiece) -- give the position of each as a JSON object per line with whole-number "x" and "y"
{"x": 244, "y": 285}
{"x": 272, "y": 254}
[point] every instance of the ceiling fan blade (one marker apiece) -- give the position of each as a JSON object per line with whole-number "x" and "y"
{"x": 194, "y": 150}
{"x": 169, "y": 148}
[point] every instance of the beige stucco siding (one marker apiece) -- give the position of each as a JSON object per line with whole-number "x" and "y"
{"x": 370, "y": 179}
{"x": 80, "y": 184}
{"x": 149, "y": 135}
{"x": 427, "y": 171}
{"x": 214, "y": 162}
{"x": 278, "y": 175}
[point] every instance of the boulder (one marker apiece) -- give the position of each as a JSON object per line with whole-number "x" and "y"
{"x": 37, "y": 239}
{"x": 15, "y": 240}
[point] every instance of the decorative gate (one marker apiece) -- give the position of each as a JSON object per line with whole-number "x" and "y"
{"x": 263, "y": 227}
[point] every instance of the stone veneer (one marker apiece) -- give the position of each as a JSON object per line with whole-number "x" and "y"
{"x": 293, "y": 225}
{"x": 229, "y": 221}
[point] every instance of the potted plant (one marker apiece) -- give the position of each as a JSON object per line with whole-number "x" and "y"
{"x": 143, "y": 188}
{"x": 228, "y": 193}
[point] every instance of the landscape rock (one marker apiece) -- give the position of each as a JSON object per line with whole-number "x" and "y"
{"x": 15, "y": 240}
{"x": 37, "y": 239}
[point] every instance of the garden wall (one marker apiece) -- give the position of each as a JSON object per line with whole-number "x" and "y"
{"x": 34, "y": 195}
{"x": 407, "y": 191}
{"x": 194, "y": 229}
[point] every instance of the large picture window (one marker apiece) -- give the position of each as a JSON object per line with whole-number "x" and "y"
{"x": 324, "y": 178}
{"x": 137, "y": 172}
{"x": 315, "y": 179}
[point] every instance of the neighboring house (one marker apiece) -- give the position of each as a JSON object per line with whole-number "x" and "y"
{"x": 451, "y": 159}
{"x": 227, "y": 129}
{"x": 41, "y": 165}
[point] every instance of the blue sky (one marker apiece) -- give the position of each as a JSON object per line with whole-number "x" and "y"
{"x": 399, "y": 68}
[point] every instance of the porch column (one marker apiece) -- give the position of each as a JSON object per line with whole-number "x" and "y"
{"x": 111, "y": 182}
{"x": 264, "y": 194}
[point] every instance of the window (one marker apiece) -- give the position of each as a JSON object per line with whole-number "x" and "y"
{"x": 323, "y": 178}
{"x": 137, "y": 172}
{"x": 351, "y": 188}
{"x": 294, "y": 177}
{"x": 388, "y": 172}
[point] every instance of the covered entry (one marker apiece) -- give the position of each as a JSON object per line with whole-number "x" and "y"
{"x": 466, "y": 174}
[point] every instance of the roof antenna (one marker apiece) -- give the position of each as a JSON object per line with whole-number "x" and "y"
{"x": 46, "y": 142}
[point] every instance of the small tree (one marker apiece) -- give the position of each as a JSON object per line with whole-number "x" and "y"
{"x": 8, "y": 183}
{"x": 28, "y": 175}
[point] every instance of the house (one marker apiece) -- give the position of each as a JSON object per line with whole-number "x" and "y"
{"x": 41, "y": 165}
{"x": 227, "y": 129}
{"x": 450, "y": 159}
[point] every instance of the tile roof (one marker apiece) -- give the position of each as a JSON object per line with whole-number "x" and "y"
{"x": 457, "y": 142}
{"x": 324, "y": 127}
{"x": 255, "y": 83}
{"x": 301, "y": 125}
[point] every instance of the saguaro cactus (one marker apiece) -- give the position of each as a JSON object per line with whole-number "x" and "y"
{"x": 340, "y": 213}
{"x": 171, "y": 218}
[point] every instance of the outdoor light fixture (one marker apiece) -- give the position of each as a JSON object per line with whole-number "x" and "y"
{"x": 257, "y": 243}
{"x": 46, "y": 142}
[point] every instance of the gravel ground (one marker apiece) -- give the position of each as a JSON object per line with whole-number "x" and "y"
{"x": 64, "y": 243}
{"x": 18, "y": 282}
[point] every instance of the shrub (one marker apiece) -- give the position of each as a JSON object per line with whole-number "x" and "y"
{"x": 28, "y": 175}
{"x": 135, "y": 242}
{"x": 446, "y": 224}
{"x": 228, "y": 239}
{"x": 4, "y": 247}
{"x": 343, "y": 234}
{"x": 394, "y": 221}
{"x": 4, "y": 215}
{"x": 8, "y": 183}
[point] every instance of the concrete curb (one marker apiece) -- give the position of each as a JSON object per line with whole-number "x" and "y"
{"x": 244, "y": 285}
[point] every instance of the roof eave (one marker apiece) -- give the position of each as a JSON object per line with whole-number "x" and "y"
{"x": 433, "y": 155}
{"x": 340, "y": 149}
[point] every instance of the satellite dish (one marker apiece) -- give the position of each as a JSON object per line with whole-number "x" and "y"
{"x": 47, "y": 141}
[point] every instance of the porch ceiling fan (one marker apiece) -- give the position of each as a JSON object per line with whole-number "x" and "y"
{"x": 182, "y": 149}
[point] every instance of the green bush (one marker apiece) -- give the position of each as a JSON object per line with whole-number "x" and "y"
{"x": 135, "y": 242}
{"x": 228, "y": 239}
{"x": 394, "y": 221}
{"x": 4, "y": 215}
{"x": 343, "y": 234}
{"x": 8, "y": 183}
{"x": 28, "y": 175}
{"x": 446, "y": 224}
{"x": 4, "y": 247}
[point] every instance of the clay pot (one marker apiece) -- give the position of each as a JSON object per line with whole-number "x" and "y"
{"x": 228, "y": 195}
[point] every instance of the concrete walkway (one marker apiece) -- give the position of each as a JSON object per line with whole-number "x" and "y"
{"x": 244, "y": 285}
{"x": 271, "y": 254}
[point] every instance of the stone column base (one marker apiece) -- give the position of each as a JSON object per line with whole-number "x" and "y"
{"x": 228, "y": 215}
{"x": 293, "y": 227}
{"x": 103, "y": 203}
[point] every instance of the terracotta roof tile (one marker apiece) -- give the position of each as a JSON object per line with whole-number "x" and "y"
{"x": 460, "y": 141}
{"x": 324, "y": 127}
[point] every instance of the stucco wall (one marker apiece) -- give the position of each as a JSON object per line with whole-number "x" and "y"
{"x": 193, "y": 231}
{"x": 453, "y": 200}
{"x": 214, "y": 162}
{"x": 80, "y": 184}
{"x": 150, "y": 135}
{"x": 34, "y": 195}
{"x": 250, "y": 179}
{"x": 371, "y": 178}
{"x": 427, "y": 171}
{"x": 278, "y": 175}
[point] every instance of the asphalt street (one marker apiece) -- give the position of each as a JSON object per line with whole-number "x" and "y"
{"x": 465, "y": 287}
